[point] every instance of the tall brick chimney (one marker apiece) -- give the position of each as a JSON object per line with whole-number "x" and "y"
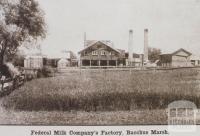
{"x": 130, "y": 46}
{"x": 146, "y": 59}
{"x": 85, "y": 44}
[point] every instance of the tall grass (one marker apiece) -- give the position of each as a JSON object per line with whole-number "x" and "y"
{"x": 102, "y": 90}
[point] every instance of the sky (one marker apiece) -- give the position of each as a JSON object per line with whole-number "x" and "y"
{"x": 172, "y": 24}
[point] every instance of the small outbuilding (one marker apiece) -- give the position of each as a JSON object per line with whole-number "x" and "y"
{"x": 63, "y": 63}
{"x": 195, "y": 60}
{"x": 179, "y": 58}
{"x": 33, "y": 62}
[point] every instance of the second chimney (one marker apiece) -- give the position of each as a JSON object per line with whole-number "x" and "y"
{"x": 85, "y": 43}
{"x": 146, "y": 59}
{"x": 130, "y": 46}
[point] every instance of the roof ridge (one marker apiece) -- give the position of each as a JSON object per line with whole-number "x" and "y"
{"x": 101, "y": 42}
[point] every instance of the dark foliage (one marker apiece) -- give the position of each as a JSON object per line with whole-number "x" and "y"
{"x": 4, "y": 71}
{"x": 154, "y": 54}
{"x": 22, "y": 22}
{"x": 46, "y": 71}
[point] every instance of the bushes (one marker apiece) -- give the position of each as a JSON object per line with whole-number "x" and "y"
{"x": 46, "y": 71}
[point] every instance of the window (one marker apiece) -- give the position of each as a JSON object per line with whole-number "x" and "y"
{"x": 94, "y": 52}
{"x": 103, "y": 53}
{"x": 110, "y": 53}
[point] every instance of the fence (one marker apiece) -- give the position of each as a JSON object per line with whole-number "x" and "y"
{"x": 8, "y": 85}
{"x": 30, "y": 73}
{"x": 134, "y": 68}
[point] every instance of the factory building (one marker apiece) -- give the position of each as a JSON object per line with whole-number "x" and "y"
{"x": 137, "y": 60}
{"x": 101, "y": 53}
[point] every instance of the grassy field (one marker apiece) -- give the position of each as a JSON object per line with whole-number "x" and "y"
{"x": 135, "y": 97}
{"x": 136, "y": 117}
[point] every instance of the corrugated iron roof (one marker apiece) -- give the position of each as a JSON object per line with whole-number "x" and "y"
{"x": 92, "y": 42}
{"x": 175, "y": 52}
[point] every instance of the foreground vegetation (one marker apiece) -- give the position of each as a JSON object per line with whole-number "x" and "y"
{"x": 85, "y": 118}
{"x": 103, "y": 90}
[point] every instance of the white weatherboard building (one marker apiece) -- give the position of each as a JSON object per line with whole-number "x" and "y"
{"x": 179, "y": 58}
{"x": 33, "y": 62}
{"x": 63, "y": 63}
{"x": 195, "y": 60}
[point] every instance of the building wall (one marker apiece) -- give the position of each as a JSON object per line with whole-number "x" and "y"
{"x": 101, "y": 55}
{"x": 135, "y": 61}
{"x": 166, "y": 64}
{"x": 180, "y": 58}
{"x": 165, "y": 60}
{"x": 180, "y": 61}
{"x": 33, "y": 63}
{"x": 195, "y": 60}
{"x": 99, "y": 52}
{"x": 63, "y": 63}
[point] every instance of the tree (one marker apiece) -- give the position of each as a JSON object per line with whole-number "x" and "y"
{"x": 20, "y": 21}
{"x": 18, "y": 58}
{"x": 154, "y": 54}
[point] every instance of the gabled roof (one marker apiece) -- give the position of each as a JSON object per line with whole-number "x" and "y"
{"x": 89, "y": 42}
{"x": 94, "y": 42}
{"x": 121, "y": 51}
{"x": 62, "y": 60}
{"x": 181, "y": 49}
{"x": 165, "y": 54}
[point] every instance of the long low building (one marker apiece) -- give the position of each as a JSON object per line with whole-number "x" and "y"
{"x": 195, "y": 60}
{"x": 179, "y": 58}
{"x": 66, "y": 59}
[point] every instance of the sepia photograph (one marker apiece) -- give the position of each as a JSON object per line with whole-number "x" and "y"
{"x": 100, "y": 62}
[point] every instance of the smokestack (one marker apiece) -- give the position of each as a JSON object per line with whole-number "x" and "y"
{"x": 85, "y": 44}
{"x": 146, "y": 59}
{"x": 130, "y": 45}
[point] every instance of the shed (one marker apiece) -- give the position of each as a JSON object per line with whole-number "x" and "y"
{"x": 33, "y": 62}
{"x": 195, "y": 60}
{"x": 179, "y": 58}
{"x": 63, "y": 63}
